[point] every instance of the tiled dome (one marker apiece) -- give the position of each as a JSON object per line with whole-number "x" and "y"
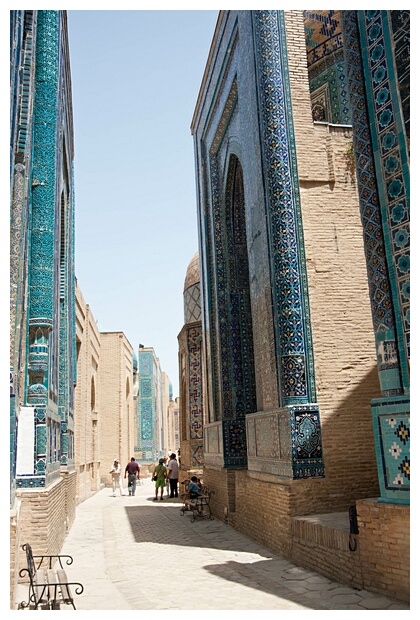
{"x": 192, "y": 297}
{"x": 193, "y": 272}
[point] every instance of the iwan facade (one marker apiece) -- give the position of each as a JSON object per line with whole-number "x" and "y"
{"x": 301, "y": 136}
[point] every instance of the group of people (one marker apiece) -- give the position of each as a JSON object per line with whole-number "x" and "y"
{"x": 165, "y": 474}
{"x": 132, "y": 469}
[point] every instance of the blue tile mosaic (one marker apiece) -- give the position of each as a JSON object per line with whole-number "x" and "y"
{"x": 224, "y": 148}
{"x": 305, "y": 432}
{"x": 147, "y": 440}
{"x": 290, "y": 291}
{"x": 326, "y": 67}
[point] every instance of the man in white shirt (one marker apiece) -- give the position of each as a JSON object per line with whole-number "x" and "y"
{"x": 173, "y": 475}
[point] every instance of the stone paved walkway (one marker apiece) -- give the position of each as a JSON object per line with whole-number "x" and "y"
{"x": 128, "y": 550}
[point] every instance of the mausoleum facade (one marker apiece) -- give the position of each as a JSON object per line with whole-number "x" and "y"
{"x": 302, "y": 180}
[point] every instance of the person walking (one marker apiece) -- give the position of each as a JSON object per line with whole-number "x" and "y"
{"x": 165, "y": 462}
{"x": 159, "y": 476}
{"x": 116, "y": 478}
{"x": 173, "y": 475}
{"x": 133, "y": 470}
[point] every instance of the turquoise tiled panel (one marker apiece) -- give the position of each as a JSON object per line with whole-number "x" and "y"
{"x": 146, "y": 419}
{"x": 391, "y": 423}
{"x": 305, "y": 431}
{"x": 41, "y": 439}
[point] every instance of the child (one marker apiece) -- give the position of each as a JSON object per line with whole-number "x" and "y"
{"x": 193, "y": 487}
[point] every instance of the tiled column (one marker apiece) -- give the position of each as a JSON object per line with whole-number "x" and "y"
{"x": 42, "y": 242}
{"x": 286, "y": 246}
{"x": 380, "y": 150}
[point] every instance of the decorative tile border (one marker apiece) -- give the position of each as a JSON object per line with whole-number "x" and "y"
{"x": 391, "y": 163}
{"x": 375, "y": 245}
{"x": 290, "y": 289}
{"x": 195, "y": 386}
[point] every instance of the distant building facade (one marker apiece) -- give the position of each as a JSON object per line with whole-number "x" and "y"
{"x": 118, "y": 417}
{"x": 104, "y": 402}
{"x": 149, "y": 428}
{"x": 301, "y": 134}
{"x": 170, "y": 417}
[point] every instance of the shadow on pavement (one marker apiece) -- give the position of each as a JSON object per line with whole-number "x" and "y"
{"x": 247, "y": 574}
{"x": 168, "y": 526}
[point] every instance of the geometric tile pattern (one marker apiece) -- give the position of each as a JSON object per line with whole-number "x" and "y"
{"x": 219, "y": 369}
{"x": 197, "y": 456}
{"x": 286, "y": 442}
{"x": 400, "y": 21}
{"x": 148, "y": 440}
{"x": 228, "y": 318}
{"x": 43, "y": 241}
{"x": 391, "y": 162}
{"x": 374, "y": 243}
{"x": 391, "y": 422}
{"x": 192, "y": 304}
{"x": 234, "y": 320}
{"x": 383, "y": 181}
{"x": 305, "y": 430}
{"x": 239, "y": 302}
{"x": 326, "y": 70}
{"x": 192, "y": 297}
{"x": 195, "y": 387}
{"x": 146, "y": 407}
{"x": 193, "y": 272}
{"x": 291, "y": 299}
{"x": 22, "y": 56}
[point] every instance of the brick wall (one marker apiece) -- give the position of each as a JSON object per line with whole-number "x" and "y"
{"x": 343, "y": 339}
{"x": 15, "y": 543}
{"x": 46, "y": 516}
{"x": 384, "y": 542}
{"x": 87, "y": 422}
{"x": 264, "y": 509}
{"x": 326, "y": 549}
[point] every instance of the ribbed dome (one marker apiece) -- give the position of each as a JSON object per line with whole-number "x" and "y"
{"x": 193, "y": 272}
{"x": 192, "y": 297}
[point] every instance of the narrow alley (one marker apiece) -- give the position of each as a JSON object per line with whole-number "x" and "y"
{"x": 125, "y": 548}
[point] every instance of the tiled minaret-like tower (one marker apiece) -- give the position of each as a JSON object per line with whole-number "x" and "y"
{"x": 42, "y": 257}
{"x": 191, "y": 371}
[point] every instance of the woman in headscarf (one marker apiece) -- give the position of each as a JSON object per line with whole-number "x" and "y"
{"x": 159, "y": 477}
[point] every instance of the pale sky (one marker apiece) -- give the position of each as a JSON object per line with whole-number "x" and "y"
{"x": 135, "y": 81}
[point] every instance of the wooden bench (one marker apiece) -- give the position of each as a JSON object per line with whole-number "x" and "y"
{"x": 199, "y": 505}
{"x": 48, "y": 583}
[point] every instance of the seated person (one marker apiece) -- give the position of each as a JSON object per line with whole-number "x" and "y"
{"x": 193, "y": 487}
